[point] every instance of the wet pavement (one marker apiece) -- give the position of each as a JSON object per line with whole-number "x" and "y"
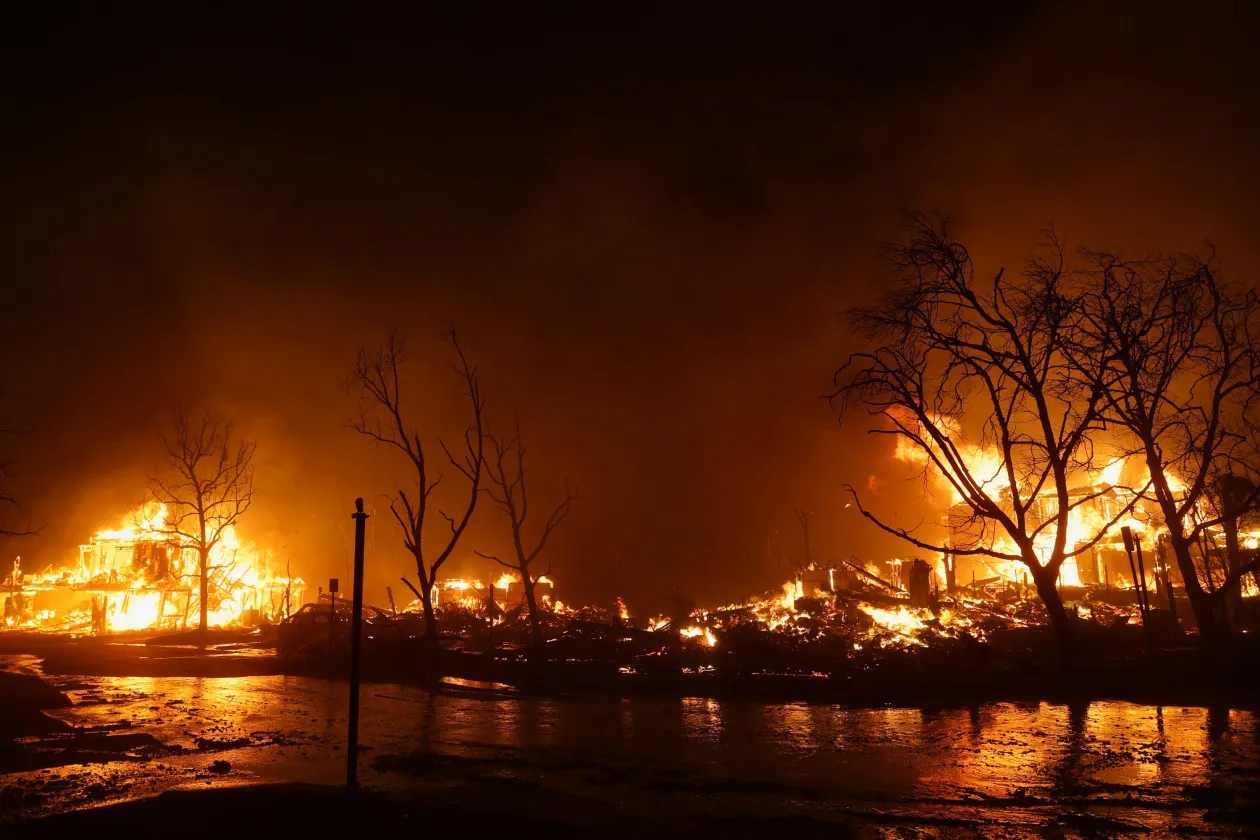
{"x": 1107, "y": 767}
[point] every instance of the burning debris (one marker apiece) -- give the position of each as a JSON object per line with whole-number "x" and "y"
{"x": 137, "y": 576}
{"x": 825, "y": 620}
{"x": 836, "y": 616}
{"x": 475, "y": 596}
{"x": 141, "y": 577}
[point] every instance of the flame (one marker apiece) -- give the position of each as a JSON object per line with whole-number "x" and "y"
{"x": 143, "y": 576}
{"x": 792, "y": 590}
{"x": 145, "y": 523}
{"x": 700, "y": 633}
{"x": 1175, "y": 484}
{"x": 984, "y": 466}
{"x": 1091, "y": 520}
{"x": 903, "y": 623}
{"x": 457, "y": 593}
{"x": 473, "y": 595}
{"x": 1111, "y": 473}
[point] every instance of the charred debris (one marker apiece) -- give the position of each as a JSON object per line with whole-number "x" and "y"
{"x": 888, "y": 629}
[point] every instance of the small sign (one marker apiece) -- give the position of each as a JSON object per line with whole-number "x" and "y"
{"x": 332, "y": 586}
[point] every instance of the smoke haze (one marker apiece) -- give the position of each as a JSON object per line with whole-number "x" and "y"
{"x": 646, "y": 230}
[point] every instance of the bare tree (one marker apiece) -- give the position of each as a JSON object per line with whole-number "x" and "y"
{"x": 1183, "y": 378}
{"x": 506, "y": 468}
{"x": 377, "y": 374}
{"x": 948, "y": 349}
{"x": 208, "y": 487}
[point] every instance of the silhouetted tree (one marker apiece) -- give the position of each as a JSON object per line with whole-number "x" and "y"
{"x": 506, "y": 469}
{"x": 377, "y": 374}
{"x": 1183, "y": 378}
{"x": 947, "y": 348}
{"x": 208, "y": 486}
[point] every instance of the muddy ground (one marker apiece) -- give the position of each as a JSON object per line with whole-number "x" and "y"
{"x": 134, "y": 749}
{"x": 487, "y": 809}
{"x": 1174, "y": 676}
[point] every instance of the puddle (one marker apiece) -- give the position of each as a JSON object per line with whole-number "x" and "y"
{"x": 1113, "y": 767}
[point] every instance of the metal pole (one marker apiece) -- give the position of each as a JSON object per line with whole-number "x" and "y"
{"x": 1146, "y": 593}
{"x": 356, "y": 646}
{"x": 1146, "y": 596}
{"x": 1138, "y": 582}
{"x": 332, "y": 619}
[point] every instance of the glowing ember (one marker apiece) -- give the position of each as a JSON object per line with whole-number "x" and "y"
{"x": 700, "y": 633}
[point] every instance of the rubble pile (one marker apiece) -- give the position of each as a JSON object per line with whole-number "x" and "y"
{"x": 789, "y": 631}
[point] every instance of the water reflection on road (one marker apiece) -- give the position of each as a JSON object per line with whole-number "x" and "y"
{"x": 1107, "y": 765}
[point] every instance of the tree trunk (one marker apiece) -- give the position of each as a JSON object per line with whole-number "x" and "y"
{"x": 205, "y": 589}
{"x": 1046, "y": 582}
{"x": 535, "y": 634}
{"x": 1231, "y": 503}
{"x": 1201, "y": 603}
{"x": 430, "y": 619}
{"x": 1233, "y": 562}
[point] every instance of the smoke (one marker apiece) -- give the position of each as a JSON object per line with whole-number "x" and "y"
{"x": 646, "y": 231}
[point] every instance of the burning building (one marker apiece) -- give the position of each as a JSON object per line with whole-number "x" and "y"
{"x": 141, "y": 577}
{"x": 505, "y": 593}
{"x": 1093, "y": 508}
{"x": 1102, "y": 507}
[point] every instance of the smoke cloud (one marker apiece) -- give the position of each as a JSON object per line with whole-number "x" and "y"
{"x": 646, "y": 230}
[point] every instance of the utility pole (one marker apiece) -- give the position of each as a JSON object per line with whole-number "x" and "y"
{"x": 356, "y": 646}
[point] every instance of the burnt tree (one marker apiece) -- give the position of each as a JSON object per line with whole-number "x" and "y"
{"x": 1183, "y": 379}
{"x": 208, "y": 485}
{"x": 377, "y": 374}
{"x": 947, "y": 349}
{"x": 506, "y": 469}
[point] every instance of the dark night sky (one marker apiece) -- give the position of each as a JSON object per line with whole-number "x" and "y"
{"x": 646, "y": 225}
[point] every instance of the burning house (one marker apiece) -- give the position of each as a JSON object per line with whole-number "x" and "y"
{"x": 1093, "y": 508}
{"x": 506, "y": 593}
{"x": 141, "y": 577}
{"x": 1097, "y": 515}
